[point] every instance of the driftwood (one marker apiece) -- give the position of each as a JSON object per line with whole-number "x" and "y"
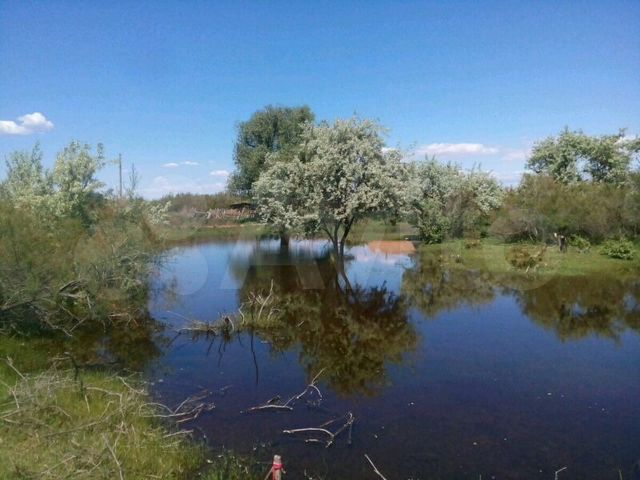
{"x": 273, "y": 403}
{"x": 189, "y": 409}
{"x": 375, "y": 469}
{"x": 331, "y": 436}
{"x": 558, "y": 471}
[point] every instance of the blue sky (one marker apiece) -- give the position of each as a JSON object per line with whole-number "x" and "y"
{"x": 165, "y": 83}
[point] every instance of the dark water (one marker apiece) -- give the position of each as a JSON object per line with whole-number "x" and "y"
{"x": 450, "y": 372}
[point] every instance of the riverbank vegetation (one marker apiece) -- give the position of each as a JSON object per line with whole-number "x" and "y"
{"x": 333, "y": 176}
{"x": 74, "y": 267}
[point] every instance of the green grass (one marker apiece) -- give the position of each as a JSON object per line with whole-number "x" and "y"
{"x": 491, "y": 256}
{"x": 96, "y": 426}
{"x": 181, "y": 234}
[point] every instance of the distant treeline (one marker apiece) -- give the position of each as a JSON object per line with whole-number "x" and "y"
{"x": 182, "y": 202}
{"x": 327, "y": 176}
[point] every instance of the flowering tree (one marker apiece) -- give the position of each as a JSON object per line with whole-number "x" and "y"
{"x": 27, "y": 184}
{"x": 443, "y": 200}
{"x": 341, "y": 174}
{"x": 573, "y": 156}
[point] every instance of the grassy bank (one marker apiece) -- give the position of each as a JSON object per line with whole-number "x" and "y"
{"x": 493, "y": 257}
{"x": 194, "y": 232}
{"x": 56, "y": 424}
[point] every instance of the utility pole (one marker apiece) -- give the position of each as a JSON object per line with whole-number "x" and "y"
{"x": 120, "y": 172}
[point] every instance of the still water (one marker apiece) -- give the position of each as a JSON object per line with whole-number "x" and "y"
{"x": 449, "y": 372}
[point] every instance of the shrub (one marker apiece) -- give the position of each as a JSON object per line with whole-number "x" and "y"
{"x": 580, "y": 243}
{"x": 58, "y": 274}
{"x": 525, "y": 258}
{"x": 472, "y": 243}
{"x": 622, "y": 249}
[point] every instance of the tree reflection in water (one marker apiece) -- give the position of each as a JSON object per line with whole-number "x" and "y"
{"x": 355, "y": 332}
{"x": 351, "y": 331}
{"x": 573, "y": 307}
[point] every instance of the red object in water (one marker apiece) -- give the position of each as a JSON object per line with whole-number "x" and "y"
{"x": 277, "y": 468}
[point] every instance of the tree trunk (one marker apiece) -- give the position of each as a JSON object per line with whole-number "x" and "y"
{"x": 284, "y": 240}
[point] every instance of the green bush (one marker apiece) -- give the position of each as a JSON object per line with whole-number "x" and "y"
{"x": 59, "y": 274}
{"x": 472, "y": 243}
{"x": 580, "y": 243}
{"x": 540, "y": 206}
{"x": 525, "y": 258}
{"x": 622, "y": 249}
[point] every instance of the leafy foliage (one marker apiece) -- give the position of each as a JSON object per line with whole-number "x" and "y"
{"x": 622, "y": 249}
{"x": 573, "y": 156}
{"x": 522, "y": 257}
{"x": 444, "y": 201}
{"x": 580, "y": 243}
{"x": 68, "y": 254}
{"x": 540, "y": 206}
{"x": 340, "y": 175}
{"x": 271, "y": 131}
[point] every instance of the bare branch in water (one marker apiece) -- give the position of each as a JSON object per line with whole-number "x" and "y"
{"x": 331, "y": 435}
{"x": 189, "y": 409}
{"x": 288, "y": 405}
{"x": 375, "y": 469}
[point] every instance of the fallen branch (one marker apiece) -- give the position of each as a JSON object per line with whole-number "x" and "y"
{"x": 375, "y": 469}
{"x": 558, "y": 471}
{"x": 189, "y": 409}
{"x": 331, "y": 435}
{"x": 288, "y": 405}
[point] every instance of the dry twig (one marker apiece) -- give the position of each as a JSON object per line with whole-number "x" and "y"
{"x": 375, "y": 469}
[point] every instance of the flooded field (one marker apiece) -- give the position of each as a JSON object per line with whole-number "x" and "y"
{"x": 449, "y": 372}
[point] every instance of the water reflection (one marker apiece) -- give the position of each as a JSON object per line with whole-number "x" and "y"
{"x": 434, "y": 285}
{"x": 578, "y": 307}
{"x": 351, "y": 331}
{"x": 490, "y": 389}
{"x": 572, "y": 307}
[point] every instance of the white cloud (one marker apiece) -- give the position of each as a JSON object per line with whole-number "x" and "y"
{"x": 219, "y": 173}
{"x": 175, "y": 165}
{"x": 441, "y": 149}
{"x": 31, "y": 123}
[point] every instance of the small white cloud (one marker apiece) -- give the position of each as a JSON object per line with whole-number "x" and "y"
{"x": 31, "y": 123}
{"x": 219, "y": 173}
{"x": 170, "y": 165}
{"x": 190, "y": 163}
{"x": 456, "y": 149}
